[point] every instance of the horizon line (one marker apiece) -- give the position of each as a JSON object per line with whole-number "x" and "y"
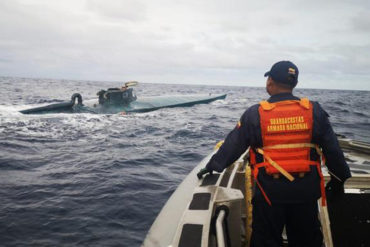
{"x": 235, "y": 84}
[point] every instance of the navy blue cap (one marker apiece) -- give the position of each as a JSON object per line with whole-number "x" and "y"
{"x": 284, "y": 72}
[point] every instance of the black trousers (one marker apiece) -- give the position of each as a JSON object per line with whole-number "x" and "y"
{"x": 301, "y": 221}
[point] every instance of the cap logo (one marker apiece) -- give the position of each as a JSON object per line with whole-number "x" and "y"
{"x": 291, "y": 71}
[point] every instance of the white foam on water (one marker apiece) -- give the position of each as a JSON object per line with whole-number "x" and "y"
{"x": 57, "y": 125}
{"x": 10, "y": 109}
{"x": 218, "y": 102}
{"x": 144, "y": 115}
{"x": 53, "y": 126}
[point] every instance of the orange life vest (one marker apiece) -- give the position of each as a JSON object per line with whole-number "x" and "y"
{"x": 286, "y": 129}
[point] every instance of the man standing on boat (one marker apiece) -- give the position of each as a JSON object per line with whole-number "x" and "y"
{"x": 287, "y": 136}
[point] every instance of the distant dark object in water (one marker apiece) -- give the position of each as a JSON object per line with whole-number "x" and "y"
{"x": 116, "y": 100}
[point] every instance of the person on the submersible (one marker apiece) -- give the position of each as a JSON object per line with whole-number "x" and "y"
{"x": 286, "y": 135}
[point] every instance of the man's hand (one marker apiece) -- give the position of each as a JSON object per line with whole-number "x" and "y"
{"x": 334, "y": 190}
{"x": 203, "y": 171}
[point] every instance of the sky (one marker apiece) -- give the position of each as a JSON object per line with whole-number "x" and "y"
{"x": 212, "y": 42}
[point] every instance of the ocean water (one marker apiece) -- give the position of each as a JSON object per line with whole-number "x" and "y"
{"x": 100, "y": 180}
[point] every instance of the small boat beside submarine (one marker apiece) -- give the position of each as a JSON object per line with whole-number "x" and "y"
{"x": 217, "y": 209}
{"x": 123, "y": 100}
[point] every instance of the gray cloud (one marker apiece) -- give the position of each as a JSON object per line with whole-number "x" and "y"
{"x": 116, "y": 10}
{"x": 361, "y": 22}
{"x": 216, "y": 42}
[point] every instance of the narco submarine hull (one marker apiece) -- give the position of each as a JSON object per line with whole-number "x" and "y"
{"x": 123, "y": 100}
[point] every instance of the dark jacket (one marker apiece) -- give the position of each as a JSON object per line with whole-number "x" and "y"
{"x": 282, "y": 190}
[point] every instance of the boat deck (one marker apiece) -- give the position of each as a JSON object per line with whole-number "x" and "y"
{"x": 216, "y": 210}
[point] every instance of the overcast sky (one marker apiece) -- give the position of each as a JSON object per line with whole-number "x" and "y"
{"x": 221, "y": 42}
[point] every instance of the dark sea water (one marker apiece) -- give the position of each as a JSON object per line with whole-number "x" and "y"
{"x": 100, "y": 180}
